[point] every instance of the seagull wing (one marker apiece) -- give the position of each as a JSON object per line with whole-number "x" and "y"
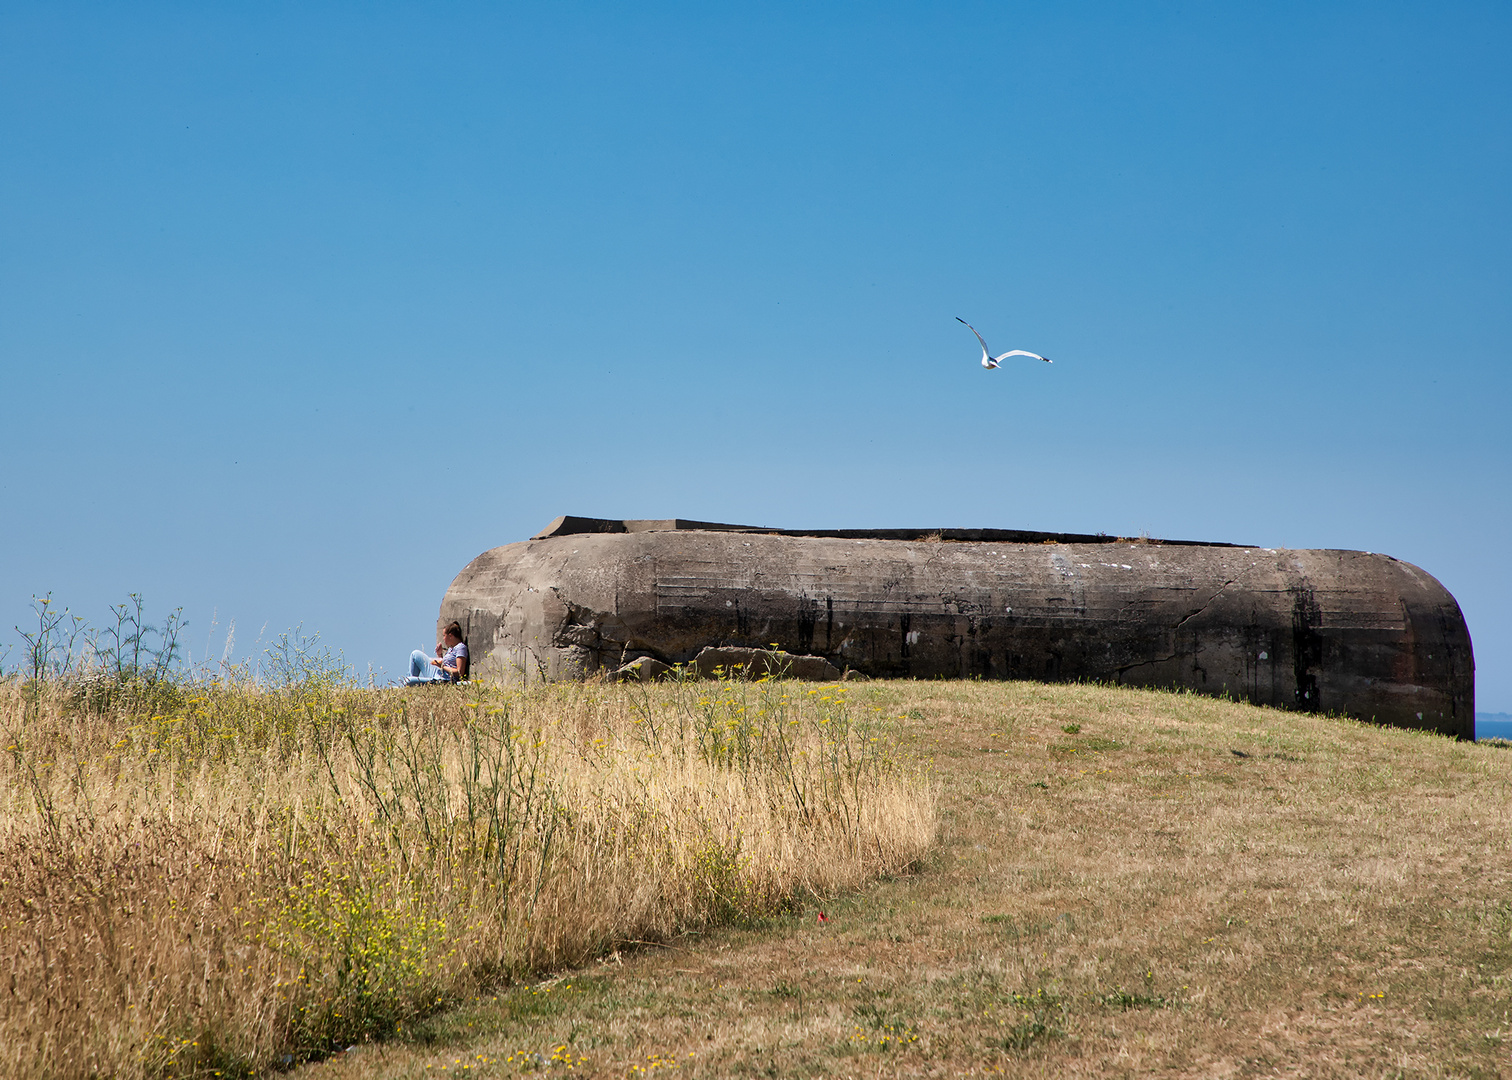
{"x": 1021, "y": 352}
{"x": 985, "y": 354}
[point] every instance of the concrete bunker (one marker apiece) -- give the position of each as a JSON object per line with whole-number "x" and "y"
{"x": 1350, "y": 632}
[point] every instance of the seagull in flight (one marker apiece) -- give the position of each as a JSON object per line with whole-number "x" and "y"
{"x": 988, "y": 360}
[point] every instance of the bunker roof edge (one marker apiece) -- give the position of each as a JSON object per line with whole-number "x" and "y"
{"x": 570, "y": 525}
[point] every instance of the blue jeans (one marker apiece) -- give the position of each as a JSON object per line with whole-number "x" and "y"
{"x": 424, "y": 669}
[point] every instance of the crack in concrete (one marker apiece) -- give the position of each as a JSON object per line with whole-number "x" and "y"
{"x": 1205, "y": 605}
{"x": 1130, "y": 667}
{"x": 1186, "y": 619}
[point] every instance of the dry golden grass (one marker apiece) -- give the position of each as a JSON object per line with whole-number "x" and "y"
{"x": 1128, "y": 898}
{"x": 217, "y": 880}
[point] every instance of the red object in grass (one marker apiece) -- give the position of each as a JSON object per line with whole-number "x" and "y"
{"x": 822, "y": 918}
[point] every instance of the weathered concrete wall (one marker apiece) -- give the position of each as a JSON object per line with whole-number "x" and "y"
{"x": 1341, "y": 631}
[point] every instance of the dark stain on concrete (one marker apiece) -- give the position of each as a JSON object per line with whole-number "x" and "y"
{"x": 1307, "y": 650}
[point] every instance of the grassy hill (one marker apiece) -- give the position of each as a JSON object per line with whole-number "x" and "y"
{"x": 728, "y": 879}
{"x": 1125, "y": 883}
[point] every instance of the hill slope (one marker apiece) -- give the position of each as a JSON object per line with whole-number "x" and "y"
{"x": 1126, "y": 882}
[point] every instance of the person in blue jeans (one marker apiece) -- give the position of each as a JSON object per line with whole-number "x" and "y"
{"x": 448, "y": 665}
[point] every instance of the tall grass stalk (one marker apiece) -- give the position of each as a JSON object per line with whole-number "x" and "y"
{"x": 222, "y": 876}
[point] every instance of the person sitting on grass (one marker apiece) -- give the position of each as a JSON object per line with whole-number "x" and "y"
{"x": 449, "y": 664}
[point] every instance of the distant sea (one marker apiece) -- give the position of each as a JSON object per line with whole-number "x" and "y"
{"x": 1493, "y": 725}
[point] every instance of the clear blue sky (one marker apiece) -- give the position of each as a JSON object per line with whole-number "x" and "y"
{"x": 302, "y": 306}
